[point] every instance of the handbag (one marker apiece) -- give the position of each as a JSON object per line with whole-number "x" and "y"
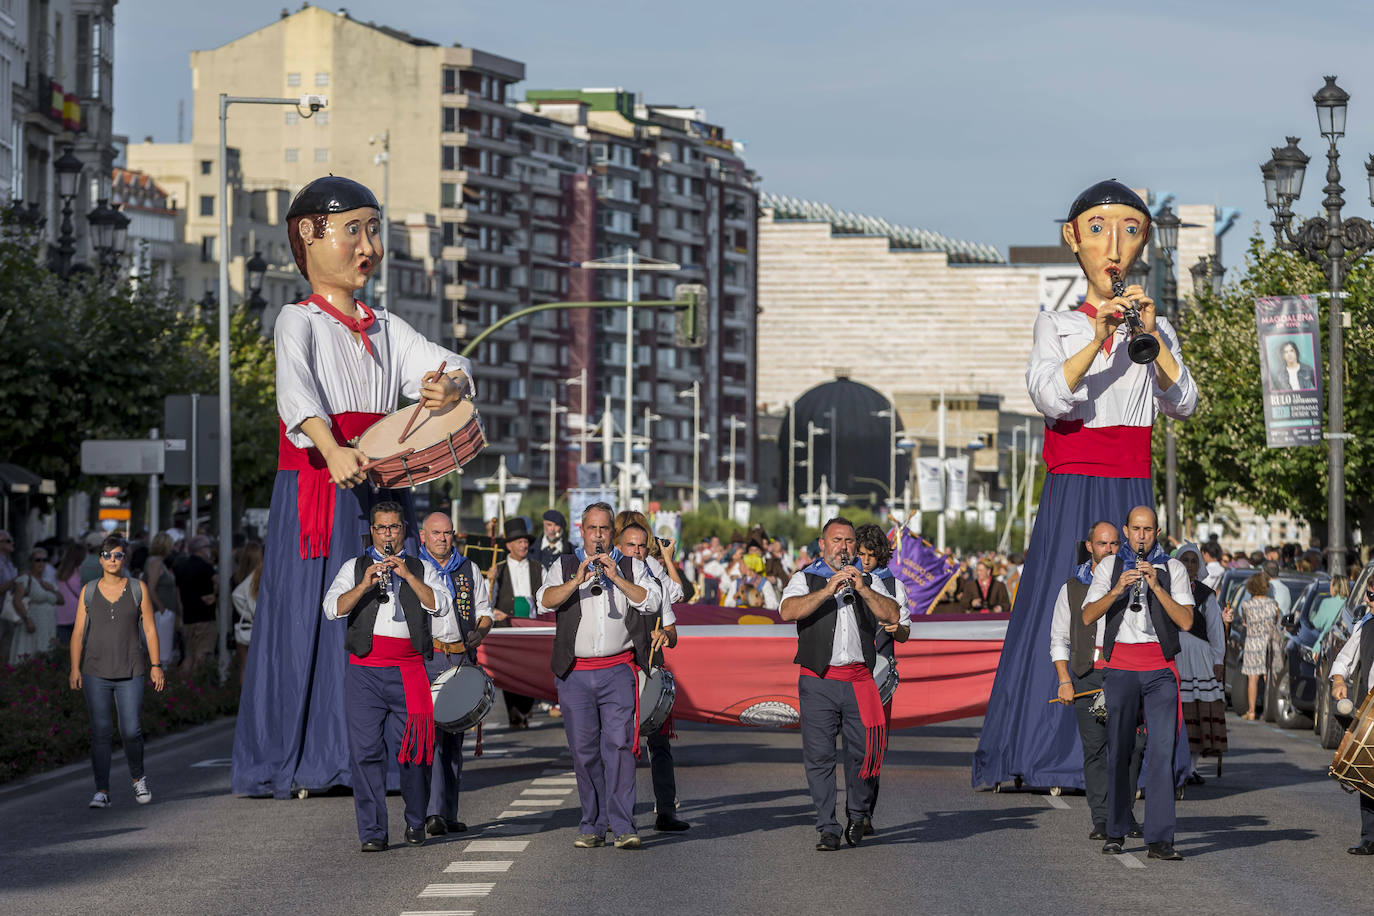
{"x": 8, "y": 614}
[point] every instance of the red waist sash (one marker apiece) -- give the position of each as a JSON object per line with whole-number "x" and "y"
{"x": 417, "y": 744}
{"x": 1103, "y": 451}
{"x": 870, "y": 711}
{"x": 314, "y": 489}
{"x": 610, "y": 661}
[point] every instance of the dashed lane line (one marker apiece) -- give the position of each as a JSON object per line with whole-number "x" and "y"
{"x": 438, "y": 913}
{"x": 1130, "y": 861}
{"x": 479, "y": 889}
{"x": 560, "y": 790}
{"x": 1055, "y": 801}
{"x": 497, "y": 846}
{"x": 481, "y": 865}
{"x": 538, "y": 802}
{"x": 533, "y": 814}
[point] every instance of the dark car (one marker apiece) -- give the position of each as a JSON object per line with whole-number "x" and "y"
{"x": 1291, "y": 688}
{"x": 1325, "y": 722}
{"x": 1236, "y": 683}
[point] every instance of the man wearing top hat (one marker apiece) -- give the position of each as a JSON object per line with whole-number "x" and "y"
{"x": 515, "y": 581}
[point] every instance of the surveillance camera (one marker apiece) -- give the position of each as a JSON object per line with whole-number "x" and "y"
{"x": 314, "y": 102}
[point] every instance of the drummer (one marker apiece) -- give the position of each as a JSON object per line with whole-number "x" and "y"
{"x": 633, "y": 540}
{"x": 1350, "y": 679}
{"x": 472, "y": 614}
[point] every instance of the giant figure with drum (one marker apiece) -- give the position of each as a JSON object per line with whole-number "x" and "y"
{"x": 341, "y": 372}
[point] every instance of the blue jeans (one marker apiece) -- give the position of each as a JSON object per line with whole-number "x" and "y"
{"x": 103, "y": 695}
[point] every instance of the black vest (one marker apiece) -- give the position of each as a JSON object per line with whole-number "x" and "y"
{"x": 816, "y": 634}
{"x": 1082, "y": 636}
{"x": 505, "y": 590}
{"x": 461, "y": 585}
{"x": 364, "y": 614}
{"x": 1166, "y": 631}
{"x": 883, "y": 643}
{"x": 1200, "y": 595}
{"x": 1361, "y": 677}
{"x": 569, "y": 617}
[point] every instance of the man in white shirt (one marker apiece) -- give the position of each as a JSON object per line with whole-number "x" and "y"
{"x": 515, "y": 581}
{"x": 472, "y": 614}
{"x": 1350, "y": 679}
{"x": 603, "y": 610}
{"x": 1277, "y": 589}
{"x": 838, "y": 611}
{"x": 396, "y": 607}
{"x": 1213, "y": 571}
{"x": 1146, "y": 598}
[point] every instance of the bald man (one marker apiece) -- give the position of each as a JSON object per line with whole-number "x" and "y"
{"x": 1147, "y": 599}
{"x": 472, "y": 608}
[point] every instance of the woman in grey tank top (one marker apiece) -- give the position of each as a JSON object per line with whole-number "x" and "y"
{"x": 109, "y": 665}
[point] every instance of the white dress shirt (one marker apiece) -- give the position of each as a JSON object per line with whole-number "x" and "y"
{"x": 322, "y": 370}
{"x": 443, "y": 627}
{"x": 1061, "y": 625}
{"x": 846, "y": 649}
{"x": 602, "y": 631}
{"x": 1348, "y": 658}
{"x": 1136, "y": 626}
{"x": 1214, "y": 574}
{"x": 520, "y": 579}
{"x": 1114, "y": 391}
{"x": 672, "y": 592}
{"x": 481, "y": 594}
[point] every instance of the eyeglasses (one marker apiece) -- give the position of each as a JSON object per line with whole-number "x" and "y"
{"x": 379, "y": 528}
{"x": 41, "y": 558}
{"x": 117, "y": 555}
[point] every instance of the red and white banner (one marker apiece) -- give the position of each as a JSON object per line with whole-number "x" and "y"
{"x": 744, "y": 675}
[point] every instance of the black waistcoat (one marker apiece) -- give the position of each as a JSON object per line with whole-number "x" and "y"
{"x": 1082, "y": 636}
{"x": 364, "y": 615}
{"x": 1166, "y": 631}
{"x": 1200, "y": 595}
{"x": 505, "y": 589}
{"x": 569, "y": 617}
{"x": 1361, "y": 677}
{"x": 460, "y": 583}
{"x": 816, "y": 634}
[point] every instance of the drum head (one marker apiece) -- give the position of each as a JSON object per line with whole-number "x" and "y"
{"x": 431, "y": 427}
{"x": 463, "y": 691}
{"x": 880, "y": 668}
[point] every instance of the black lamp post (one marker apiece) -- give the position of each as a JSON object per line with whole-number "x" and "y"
{"x": 256, "y": 268}
{"x": 1335, "y": 243}
{"x": 68, "y": 168}
{"x": 109, "y": 234}
{"x": 1207, "y": 275}
{"x": 1138, "y": 274}
{"x": 1166, "y": 223}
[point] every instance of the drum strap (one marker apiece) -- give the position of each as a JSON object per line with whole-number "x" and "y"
{"x": 870, "y": 711}
{"x": 314, "y": 489}
{"x": 610, "y": 661}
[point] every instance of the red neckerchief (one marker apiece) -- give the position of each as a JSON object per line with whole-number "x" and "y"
{"x": 1091, "y": 312}
{"x": 357, "y": 325}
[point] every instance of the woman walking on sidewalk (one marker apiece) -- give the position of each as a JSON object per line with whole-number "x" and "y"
{"x": 108, "y": 664}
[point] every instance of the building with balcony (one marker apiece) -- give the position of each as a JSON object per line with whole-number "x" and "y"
{"x": 155, "y": 243}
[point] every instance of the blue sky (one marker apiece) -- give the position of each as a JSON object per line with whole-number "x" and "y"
{"x": 980, "y": 120}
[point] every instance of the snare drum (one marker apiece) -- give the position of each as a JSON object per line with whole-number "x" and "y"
{"x": 1353, "y": 766}
{"x": 441, "y": 441}
{"x": 462, "y": 698}
{"x": 885, "y": 676}
{"x": 656, "y": 694}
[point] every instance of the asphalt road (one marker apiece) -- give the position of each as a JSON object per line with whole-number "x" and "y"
{"x": 1269, "y": 836}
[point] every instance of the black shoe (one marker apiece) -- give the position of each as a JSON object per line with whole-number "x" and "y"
{"x": 1165, "y": 851}
{"x": 1099, "y": 832}
{"x": 1113, "y": 846}
{"x": 868, "y": 826}
{"x": 854, "y": 832}
{"x": 374, "y": 846}
{"x": 456, "y": 826}
{"x": 1364, "y": 849}
{"x": 1136, "y": 833}
{"x": 1196, "y": 779}
{"x": 829, "y": 842}
{"x": 668, "y": 822}
{"x": 436, "y": 825}
{"x": 415, "y": 836}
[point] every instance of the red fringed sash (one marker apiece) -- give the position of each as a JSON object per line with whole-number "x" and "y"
{"x": 870, "y": 712}
{"x": 417, "y": 744}
{"x": 314, "y": 489}
{"x": 600, "y": 664}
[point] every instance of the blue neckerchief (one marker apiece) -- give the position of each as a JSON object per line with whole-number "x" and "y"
{"x": 616, "y": 555}
{"x": 397, "y": 614}
{"x": 449, "y": 567}
{"x": 1083, "y": 572}
{"x": 882, "y": 572}
{"x": 1156, "y": 556}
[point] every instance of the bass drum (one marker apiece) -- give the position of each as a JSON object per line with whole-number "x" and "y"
{"x": 657, "y": 690}
{"x": 885, "y": 676}
{"x": 462, "y": 698}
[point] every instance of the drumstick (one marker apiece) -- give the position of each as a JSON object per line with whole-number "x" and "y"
{"x": 1086, "y": 693}
{"x": 416, "y": 413}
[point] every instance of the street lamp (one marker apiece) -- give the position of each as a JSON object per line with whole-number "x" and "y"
{"x": 1138, "y": 274}
{"x": 1335, "y": 244}
{"x": 555, "y": 409}
{"x": 1166, "y": 224}
{"x": 735, "y": 424}
{"x": 256, "y": 269}
{"x": 890, "y": 414}
{"x": 695, "y": 394}
{"x": 68, "y": 168}
{"x": 812, "y": 431}
{"x": 580, "y": 380}
{"x": 650, "y": 418}
{"x": 1208, "y": 274}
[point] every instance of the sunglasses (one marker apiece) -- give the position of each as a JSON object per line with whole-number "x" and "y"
{"x": 112, "y": 555}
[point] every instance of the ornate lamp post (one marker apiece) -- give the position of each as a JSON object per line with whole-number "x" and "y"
{"x": 256, "y": 269}
{"x": 1207, "y": 275}
{"x": 1335, "y": 243}
{"x": 1166, "y": 224}
{"x": 68, "y": 168}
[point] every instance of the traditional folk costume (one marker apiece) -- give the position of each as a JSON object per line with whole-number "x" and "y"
{"x": 887, "y": 646}
{"x": 600, "y": 644}
{"x": 659, "y": 744}
{"x": 1097, "y": 459}
{"x": 517, "y": 582}
{"x": 1355, "y": 663}
{"x": 836, "y": 649}
{"x": 1201, "y": 647}
{"x": 386, "y": 700}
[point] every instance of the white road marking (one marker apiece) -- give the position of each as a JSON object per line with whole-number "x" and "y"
{"x": 538, "y": 802}
{"x": 531, "y": 813}
{"x": 554, "y": 781}
{"x": 497, "y": 846}
{"x": 458, "y": 890}
{"x": 548, "y": 791}
{"x": 1057, "y": 802}
{"x": 215, "y": 762}
{"x": 1130, "y": 861}
{"x": 438, "y": 913}
{"x": 481, "y": 865}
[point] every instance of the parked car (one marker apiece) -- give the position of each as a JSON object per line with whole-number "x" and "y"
{"x": 1236, "y": 683}
{"x": 1291, "y": 688}
{"x": 1325, "y": 722}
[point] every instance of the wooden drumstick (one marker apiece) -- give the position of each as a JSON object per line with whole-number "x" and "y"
{"x": 416, "y": 412}
{"x": 1086, "y": 693}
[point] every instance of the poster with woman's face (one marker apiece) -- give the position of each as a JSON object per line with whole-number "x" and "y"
{"x": 1291, "y": 362}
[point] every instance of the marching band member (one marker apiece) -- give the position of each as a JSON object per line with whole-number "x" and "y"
{"x": 1352, "y": 668}
{"x": 838, "y": 610}
{"x": 472, "y": 614}
{"x": 1099, "y": 408}
{"x": 514, "y": 582}
{"x": 340, "y": 367}
{"x": 388, "y": 600}
{"x": 1146, "y": 598}
{"x": 601, "y": 641}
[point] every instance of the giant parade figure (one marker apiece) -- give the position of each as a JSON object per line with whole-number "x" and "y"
{"x": 1098, "y": 374}
{"x": 341, "y": 367}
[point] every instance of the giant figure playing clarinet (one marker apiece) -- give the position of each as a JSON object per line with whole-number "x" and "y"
{"x": 340, "y": 368}
{"x": 1099, "y": 405}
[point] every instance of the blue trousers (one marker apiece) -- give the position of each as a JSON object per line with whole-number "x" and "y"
{"x": 598, "y": 717}
{"x": 375, "y": 713}
{"x": 447, "y": 772}
{"x": 103, "y": 696}
{"x": 1128, "y": 692}
{"x": 829, "y": 708}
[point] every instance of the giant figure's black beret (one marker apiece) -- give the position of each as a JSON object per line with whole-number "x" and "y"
{"x": 331, "y": 194}
{"x": 1110, "y": 191}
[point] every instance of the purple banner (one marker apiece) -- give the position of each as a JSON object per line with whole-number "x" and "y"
{"x": 923, "y": 570}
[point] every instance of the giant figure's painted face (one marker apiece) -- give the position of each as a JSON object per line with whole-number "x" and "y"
{"x": 348, "y": 253}
{"x": 1107, "y": 238}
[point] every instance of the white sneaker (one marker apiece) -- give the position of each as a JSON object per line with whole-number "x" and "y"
{"x": 100, "y": 800}
{"x": 142, "y": 794}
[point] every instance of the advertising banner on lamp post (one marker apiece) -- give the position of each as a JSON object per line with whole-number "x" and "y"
{"x": 1290, "y": 369}
{"x": 957, "y": 471}
{"x": 930, "y": 484}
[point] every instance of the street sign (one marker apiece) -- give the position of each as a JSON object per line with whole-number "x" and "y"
{"x": 117, "y": 515}
{"x": 103, "y": 457}
{"x": 177, "y": 427}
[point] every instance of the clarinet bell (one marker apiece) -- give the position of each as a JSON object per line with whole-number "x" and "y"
{"x": 1143, "y": 348}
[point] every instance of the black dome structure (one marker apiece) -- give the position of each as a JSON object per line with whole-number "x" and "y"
{"x": 853, "y": 453}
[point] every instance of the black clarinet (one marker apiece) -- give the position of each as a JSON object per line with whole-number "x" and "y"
{"x": 1141, "y": 347}
{"x": 385, "y": 597}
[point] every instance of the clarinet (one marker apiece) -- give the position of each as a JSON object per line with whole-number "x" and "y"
{"x": 1141, "y": 347}
{"x": 599, "y": 583}
{"x": 1138, "y": 594}
{"x": 846, "y": 593}
{"x": 385, "y": 597}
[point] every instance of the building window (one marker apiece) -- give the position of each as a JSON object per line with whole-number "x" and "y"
{"x": 451, "y": 158}
{"x": 321, "y": 154}
{"x": 450, "y": 79}
{"x": 450, "y": 120}
{"x": 322, "y": 118}
{"x": 207, "y": 205}
{"x": 206, "y": 165}
{"x": 321, "y": 79}
{"x": 293, "y": 79}
{"x": 448, "y": 194}
{"x": 207, "y": 248}
{"x": 293, "y": 154}
{"x": 292, "y": 117}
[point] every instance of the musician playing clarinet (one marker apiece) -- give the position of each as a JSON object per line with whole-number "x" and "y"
{"x": 838, "y": 610}
{"x": 340, "y": 368}
{"x": 1099, "y": 406}
{"x": 1146, "y": 598}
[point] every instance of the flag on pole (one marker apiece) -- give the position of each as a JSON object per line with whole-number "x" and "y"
{"x": 921, "y": 568}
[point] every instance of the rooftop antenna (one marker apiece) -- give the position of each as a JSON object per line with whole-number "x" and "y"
{"x": 181, "y": 120}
